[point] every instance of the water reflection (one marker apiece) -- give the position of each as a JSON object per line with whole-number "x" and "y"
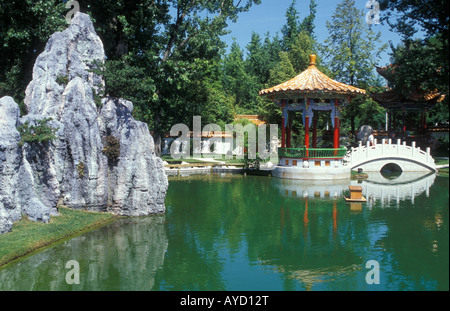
{"x": 235, "y": 232}
{"x": 313, "y": 245}
{"x": 378, "y": 186}
{"x": 124, "y": 255}
{"x": 406, "y": 186}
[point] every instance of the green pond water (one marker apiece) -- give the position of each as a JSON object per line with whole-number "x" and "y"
{"x": 235, "y": 232}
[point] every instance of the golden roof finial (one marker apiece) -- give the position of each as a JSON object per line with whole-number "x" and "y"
{"x": 312, "y": 60}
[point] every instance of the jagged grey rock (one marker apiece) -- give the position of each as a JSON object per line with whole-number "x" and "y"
{"x": 5, "y": 219}
{"x": 364, "y": 132}
{"x": 72, "y": 169}
{"x": 138, "y": 183}
{"x": 67, "y": 55}
{"x": 18, "y": 193}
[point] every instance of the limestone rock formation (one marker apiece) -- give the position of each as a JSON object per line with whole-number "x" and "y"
{"x": 74, "y": 169}
{"x": 133, "y": 191}
{"x": 18, "y": 191}
{"x": 364, "y": 132}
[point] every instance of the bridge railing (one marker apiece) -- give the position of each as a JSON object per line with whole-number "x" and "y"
{"x": 312, "y": 153}
{"x": 386, "y": 149}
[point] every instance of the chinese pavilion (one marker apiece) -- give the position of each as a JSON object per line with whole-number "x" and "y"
{"x": 416, "y": 100}
{"x": 311, "y": 92}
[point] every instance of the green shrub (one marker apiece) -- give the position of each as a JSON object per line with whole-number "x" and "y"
{"x": 62, "y": 80}
{"x": 80, "y": 169}
{"x": 112, "y": 148}
{"x": 41, "y": 132}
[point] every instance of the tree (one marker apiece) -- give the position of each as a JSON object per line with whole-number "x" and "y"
{"x": 258, "y": 62}
{"x": 352, "y": 52}
{"x": 302, "y": 47}
{"x": 308, "y": 22}
{"x": 25, "y": 27}
{"x": 351, "y": 49}
{"x": 280, "y": 73}
{"x": 430, "y": 15}
{"x": 240, "y": 84}
{"x": 171, "y": 45}
{"x": 292, "y": 27}
{"x": 421, "y": 62}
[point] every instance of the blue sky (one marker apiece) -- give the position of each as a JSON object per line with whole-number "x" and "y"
{"x": 270, "y": 16}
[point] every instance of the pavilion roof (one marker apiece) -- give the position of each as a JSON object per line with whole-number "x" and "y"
{"x": 387, "y": 72}
{"x": 312, "y": 82}
{"x": 414, "y": 97}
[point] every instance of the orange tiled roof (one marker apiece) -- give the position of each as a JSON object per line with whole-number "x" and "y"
{"x": 312, "y": 81}
{"x": 387, "y": 71}
{"x": 414, "y": 96}
{"x": 255, "y": 119}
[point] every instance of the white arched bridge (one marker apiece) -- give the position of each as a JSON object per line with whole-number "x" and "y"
{"x": 394, "y": 156}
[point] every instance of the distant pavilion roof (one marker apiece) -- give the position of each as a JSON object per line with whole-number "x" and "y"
{"x": 312, "y": 82}
{"x": 391, "y": 99}
{"x": 415, "y": 97}
{"x": 255, "y": 119}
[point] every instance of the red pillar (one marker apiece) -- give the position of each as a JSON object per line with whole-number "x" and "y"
{"x": 283, "y": 129}
{"x": 307, "y": 125}
{"x": 425, "y": 120}
{"x": 305, "y": 219}
{"x": 315, "y": 119}
{"x": 422, "y": 120}
{"x": 289, "y": 132}
{"x": 336, "y": 127}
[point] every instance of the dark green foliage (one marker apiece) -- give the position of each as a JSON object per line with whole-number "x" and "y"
{"x": 111, "y": 148}
{"x": 168, "y": 57}
{"x": 62, "y": 80}
{"x": 39, "y": 133}
{"x": 421, "y": 63}
{"x": 25, "y": 27}
{"x": 350, "y": 49}
{"x": 81, "y": 169}
{"x": 351, "y": 53}
{"x": 122, "y": 80}
{"x": 404, "y": 16}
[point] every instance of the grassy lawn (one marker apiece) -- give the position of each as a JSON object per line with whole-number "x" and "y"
{"x": 27, "y": 236}
{"x": 441, "y": 161}
{"x": 443, "y": 171}
{"x": 170, "y": 160}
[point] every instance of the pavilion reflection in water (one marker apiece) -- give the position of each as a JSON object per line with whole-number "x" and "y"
{"x": 316, "y": 238}
{"x": 406, "y": 186}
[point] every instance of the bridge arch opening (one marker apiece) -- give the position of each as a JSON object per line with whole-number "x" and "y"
{"x": 391, "y": 171}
